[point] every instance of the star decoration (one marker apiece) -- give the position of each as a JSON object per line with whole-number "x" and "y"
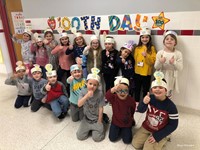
{"x": 160, "y": 21}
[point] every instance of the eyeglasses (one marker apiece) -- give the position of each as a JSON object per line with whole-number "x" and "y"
{"x": 122, "y": 91}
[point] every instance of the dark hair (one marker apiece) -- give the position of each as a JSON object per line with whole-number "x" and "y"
{"x": 173, "y": 36}
{"x": 62, "y": 43}
{"x": 149, "y": 44}
{"x": 48, "y": 32}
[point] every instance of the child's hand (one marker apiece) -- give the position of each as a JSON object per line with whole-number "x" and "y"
{"x": 71, "y": 47}
{"x": 88, "y": 47}
{"x": 151, "y": 139}
{"x": 14, "y": 75}
{"x": 60, "y": 47}
{"x": 79, "y": 61}
{"x": 146, "y": 99}
{"x": 45, "y": 41}
{"x": 48, "y": 87}
{"x": 90, "y": 94}
{"x": 115, "y": 88}
{"x": 15, "y": 35}
{"x": 71, "y": 78}
{"x": 33, "y": 41}
{"x": 51, "y": 45}
{"x": 107, "y": 53}
{"x": 27, "y": 71}
{"x": 162, "y": 59}
{"x": 171, "y": 61}
{"x": 144, "y": 54}
{"x": 43, "y": 100}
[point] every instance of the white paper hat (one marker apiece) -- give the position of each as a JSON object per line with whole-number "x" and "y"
{"x": 109, "y": 40}
{"x": 170, "y": 32}
{"x": 94, "y": 37}
{"x": 94, "y": 75}
{"x": 28, "y": 32}
{"x": 159, "y": 82}
{"x": 145, "y": 31}
{"x": 64, "y": 34}
{"x": 75, "y": 67}
{"x": 36, "y": 68}
{"x": 20, "y": 66}
{"x": 120, "y": 79}
{"x": 50, "y": 72}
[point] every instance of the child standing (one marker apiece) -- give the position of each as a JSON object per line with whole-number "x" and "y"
{"x": 123, "y": 107}
{"x": 126, "y": 63}
{"x": 144, "y": 56}
{"x": 109, "y": 65}
{"x": 78, "y": 47}
{"x": 170, "y": 61}
{"x": 50, "y": 43}
{"x": 92, "y": 100}
{"x": 27, "y": 56}
{"x": 20, "y": 80}
{"x": 77, "y": 82}
{"x": 93, "y": 53}
{"x": 56, "y": 93}
{"x": 161, "y": 117}
{"x": 41, "y": 56}
{"x": 65, "y": 61}
{"x": 37, "y": 82}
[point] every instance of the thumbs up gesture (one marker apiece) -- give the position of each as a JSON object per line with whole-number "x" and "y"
{"x": 146, "y": 99}
{"x": 90, "y": 93}
{"x": 162, "y": 59}
{"x": 171, "y": 61}
{"x": 48, "y": 87}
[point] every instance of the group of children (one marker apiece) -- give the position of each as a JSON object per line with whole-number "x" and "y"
{"x": 84, "y": 95}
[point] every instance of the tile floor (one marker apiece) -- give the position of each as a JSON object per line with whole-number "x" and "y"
{"x": 20, "y": 129}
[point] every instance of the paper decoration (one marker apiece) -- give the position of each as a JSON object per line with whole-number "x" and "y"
{"x": 97, "y": 23}
{"x": 126, "y": 23}
{"x": 1, "y": 56}
{"x": 52, "y": 22}
{"x": 49, "y": 67}
{"x": 59, "y": 22}
{"x": 85, "y": 18}
{"x": 65, "y": 23}
{"x": 160, "y": 21}
{"x": 137, "y": 28}
{"x": 18, "y": 22}
{"x": 77, "y": 20}
{"x": 111, "y": 23}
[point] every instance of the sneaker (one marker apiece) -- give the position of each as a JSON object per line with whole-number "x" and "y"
{"x": 62, "y": 115}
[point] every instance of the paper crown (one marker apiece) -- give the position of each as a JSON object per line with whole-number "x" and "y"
{"x": 36, "y": 68}
{"x": 75, "y": 67}
{"x": 94, "y": 37}
{"x": 37, "y": 37}
{"x": 120, "y": 79}
{"x": 170, "y": 32}
{"x": 78, "y": 34}
{"x": 48, "y": 30}
{"x": 20, "y": 66}
{"x": 50, "y": 72}
{"x": 129, "y": 45}
{"x": 64, "y": 34}
{"x": 28, "y": 32}
{"x": 158, "y": 80}
{"x": 74, "y": 31}
{"x": 109, "y": 40}
{"x": 145, "y": 31}
{"x": 94, "y": 75}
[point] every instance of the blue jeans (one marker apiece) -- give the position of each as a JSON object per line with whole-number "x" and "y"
{"x": 60, "y": 105}
{"x": 22, "y": 101}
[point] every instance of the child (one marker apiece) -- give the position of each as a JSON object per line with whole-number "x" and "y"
{"x": 92, "y": 100}
{"x": 65, "y": 61}
{"x": 109, "y": 65}
{"x": 50, "y": 43}
{"x": 161, "y": 117}
{"x": 56, "y": 93}
{"x": 41, "y": 56}
{"x": 93, "y": 53}
{"x": 170, "y": 61}
{"x": 27, "y": 56}
{"x": 126, "y": 63}
{"x": 20, "y": 80}
{"x": 123, "y": 107}
{"x": 144, "y": 56}
{"x": 37, "y": 82}
{"x": 77, "y": 82}
{"x": 78, "y": 47}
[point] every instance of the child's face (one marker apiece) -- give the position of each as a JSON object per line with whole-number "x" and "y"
{"x": 108, "y": 46}
{"x": 92, "y": 85}
{"x": 125, "y": 53}
{"x": 21, "y": 73}
{"x": 159, "y": 92}
{"x": 79, "y": 41}
{"x": 169, "y": 42}
{"x": 40, "y": 43}
{"x": 145, "y": 39}
{"x": 52, "y": 79}
{"x": 26, "y": 37}
{"x": 37, "y": 75}
{"x": 77, "y": 74}
{"x": 49, "y": 37}
{"x": 95, "y": 44}
{"x": 122, "y": 92}
{"x": 64, "y": 40}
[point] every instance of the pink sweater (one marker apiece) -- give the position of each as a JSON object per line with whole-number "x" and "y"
{"x": 65, "y": 61}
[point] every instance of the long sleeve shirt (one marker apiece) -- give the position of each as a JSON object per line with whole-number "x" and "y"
{"x": 161, "y": 117}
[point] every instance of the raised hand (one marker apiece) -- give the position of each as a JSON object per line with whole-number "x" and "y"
{"x": 171, "y": 61}
{"x": 79, "y": 61}
{"x": 48, "y": 87}
{"x": 162, "y": 59}
{"x": 71, "y": 47}
{"x": 90, "y": 94}
{"x": 144, "y": 54}
{"x": 147, "y": 98}
{"x": 45, "y": 41}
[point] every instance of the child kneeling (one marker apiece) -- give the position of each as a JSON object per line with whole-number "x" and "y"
{"x": 92, "y": 100}
{"x": 161, "y": 117}
{"x": 123, "y": 107}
